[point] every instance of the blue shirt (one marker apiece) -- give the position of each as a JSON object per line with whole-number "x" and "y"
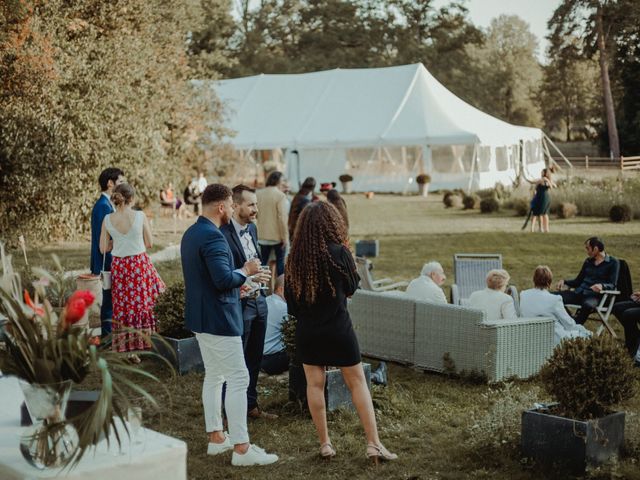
{"x": 273, "y": 336}
{"x": 605, "y": 273}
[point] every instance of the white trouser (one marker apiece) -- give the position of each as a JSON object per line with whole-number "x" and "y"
{"x": 223, "y": 359}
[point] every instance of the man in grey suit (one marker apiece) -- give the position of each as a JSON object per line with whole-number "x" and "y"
{"x": 214, "y": 314}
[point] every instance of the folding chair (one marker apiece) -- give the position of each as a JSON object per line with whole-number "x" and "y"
{"x": 470, "y": 273}
{"x": 605, "y": 306}
{"x": 368, "y": 283}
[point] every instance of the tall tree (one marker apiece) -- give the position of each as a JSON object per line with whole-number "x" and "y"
{"x": 567, "y": 96}
{"x": 596, "y": 22}
{"x": 511, "y": 72}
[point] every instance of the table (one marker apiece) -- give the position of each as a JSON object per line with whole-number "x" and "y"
{"x": 157, "y": 457}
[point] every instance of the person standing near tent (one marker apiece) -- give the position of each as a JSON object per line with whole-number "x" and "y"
{"x": 304, "y": 197}
{"x": 542, "y": 201}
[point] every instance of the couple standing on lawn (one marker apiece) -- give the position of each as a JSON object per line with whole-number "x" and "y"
{"x": 320, "y": 275}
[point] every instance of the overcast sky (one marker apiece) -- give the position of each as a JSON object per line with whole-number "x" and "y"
{"x": 535, "y": 12}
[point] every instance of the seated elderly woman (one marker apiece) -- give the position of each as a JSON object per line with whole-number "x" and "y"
{"x": 492, "y": 299}
{"x": 427, "y": 286}
{"x": 539, "y": 302}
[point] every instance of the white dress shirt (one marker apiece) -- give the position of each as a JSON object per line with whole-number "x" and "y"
{"x": 424, "y": 288}
{"x": 245, "y": 240}
{"x": 496, "y": 304}
{"x": 542, "y": 303}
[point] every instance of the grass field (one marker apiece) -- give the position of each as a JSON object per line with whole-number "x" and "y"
{"x": 442, "y": 428}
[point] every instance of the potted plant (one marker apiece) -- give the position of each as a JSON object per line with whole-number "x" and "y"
{"x": 346, "y": 181}
{"x": 49, "y": 354}
{"x": 587, "y": 377}
{"x": 423, "y": 180}
{"x": 336, "y": 392}
{"x": 180, "y": 346}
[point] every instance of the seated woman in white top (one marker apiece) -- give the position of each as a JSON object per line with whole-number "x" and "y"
{"x": 538, "y": 302}
{"x": 427, "y": 286}
{"x": 493, "y": 300}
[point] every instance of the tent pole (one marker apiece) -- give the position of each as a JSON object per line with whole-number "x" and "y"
{"x": 473, "y": 167}
{"x": 545, "y": 137}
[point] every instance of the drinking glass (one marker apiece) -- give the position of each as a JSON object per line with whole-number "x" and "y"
{"x": 134, "y": 416}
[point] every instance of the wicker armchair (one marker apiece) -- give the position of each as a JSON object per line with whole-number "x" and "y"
{"x": 470, "y": 271}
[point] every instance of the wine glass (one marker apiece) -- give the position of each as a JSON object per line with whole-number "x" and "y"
{"x": 134, "y": 416}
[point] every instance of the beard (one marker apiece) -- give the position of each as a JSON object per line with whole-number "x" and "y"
{"x": 225, "y": 219}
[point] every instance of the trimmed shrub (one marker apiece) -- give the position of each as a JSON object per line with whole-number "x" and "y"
{"x": 169, "y": 310}
{"x": 620, "y": 213}
{"x": 489, "y": 205}
{"x": 520, "y": 205}
{"x": 423, "y": 178}
{"x": 588, "y": 376}
{"x": 345, "y": 177}
{"x": 471, "y": 202}
{"x": 452, "y": 200}
{"x": 567, "y": 210}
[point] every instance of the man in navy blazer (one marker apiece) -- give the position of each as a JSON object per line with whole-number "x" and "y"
{"x": 108, "y": 179}
{"x": 242, "y": 236}
{"x": 213, "y": 313}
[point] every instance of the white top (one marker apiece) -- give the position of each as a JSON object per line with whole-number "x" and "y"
{"x": 542, "y": 303}
{"x": 495, "y": 303}
{"x": 277, "y": 308}
{"x": 130, "y": 244}
{"x": 424, "y": 288}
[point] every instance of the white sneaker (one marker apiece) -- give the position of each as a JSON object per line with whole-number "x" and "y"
{"x": 218, "y": 448}
{"x": 254, "y": 456}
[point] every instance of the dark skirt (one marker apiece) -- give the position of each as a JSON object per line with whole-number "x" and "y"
{"x": 541, "y": 201}
{"x": 331, "y": 343}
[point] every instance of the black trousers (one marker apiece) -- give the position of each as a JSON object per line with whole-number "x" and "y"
{"x": 628, "y": 314}
{"x": 275, "y": 363}
{"x": 588, "y": 303}
{"x": 254, "y": 313}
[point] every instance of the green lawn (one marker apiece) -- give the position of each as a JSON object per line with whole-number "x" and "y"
{"x": 441, "y": 427}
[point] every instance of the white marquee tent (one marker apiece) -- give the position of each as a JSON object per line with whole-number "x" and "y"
{"x": 383, "y": 126}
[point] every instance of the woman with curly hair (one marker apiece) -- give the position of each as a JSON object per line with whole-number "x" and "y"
{"x": 320, "y": 275}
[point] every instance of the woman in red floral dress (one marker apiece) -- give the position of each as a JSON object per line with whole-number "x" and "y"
{"x": 135, "y": 283}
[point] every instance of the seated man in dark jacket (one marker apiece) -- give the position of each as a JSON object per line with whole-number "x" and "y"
{"x": 599, "y": 272}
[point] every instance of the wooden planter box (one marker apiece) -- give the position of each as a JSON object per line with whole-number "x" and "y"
{"x": 571, "y": 443}
{"x": 183, "y": 353}
{"x": 336, "y": 393}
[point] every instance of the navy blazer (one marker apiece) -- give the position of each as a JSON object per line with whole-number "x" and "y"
{"x": 101, "y": 209}
{"x": 239, "y": 258}
{"x": 212, "y": 288}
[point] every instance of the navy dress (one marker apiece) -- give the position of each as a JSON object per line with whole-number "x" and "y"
{"x": 324, "y": 333}
{"x": 541, "y": 200}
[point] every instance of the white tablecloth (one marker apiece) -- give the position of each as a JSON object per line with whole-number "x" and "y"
{"x": 156, "y": 457}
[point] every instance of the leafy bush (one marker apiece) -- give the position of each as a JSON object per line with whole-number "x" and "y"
{"x": 470, "y": 202}
{"x": 489, "y": 205}
{"x": 588, "y": 376}
{"x": 423, "y": 178}
{"x": 345, "y": 177}
{"x": 567, "y": 210}
{"x": 169, "y": 310}
{"x": 288, "y": 330}
{"x": 620, "y": 213}
{"x": 452, "y": 200}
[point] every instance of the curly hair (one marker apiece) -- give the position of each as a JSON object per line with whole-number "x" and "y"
{"x": 309, "y": 264}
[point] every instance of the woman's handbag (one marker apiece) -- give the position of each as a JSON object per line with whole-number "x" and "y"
{"x": 105, "y": 275}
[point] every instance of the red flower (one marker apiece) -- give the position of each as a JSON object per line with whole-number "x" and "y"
{"x": 38, "y": 310}
{"x": 85, "y": 295}
{"x": 74, "y": 310}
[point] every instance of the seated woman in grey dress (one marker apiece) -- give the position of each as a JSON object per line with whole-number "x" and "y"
{"x": 320, "y": 274}
{"x": 539, "y": 302}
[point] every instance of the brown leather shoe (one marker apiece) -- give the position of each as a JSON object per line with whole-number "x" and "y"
{"x": 256, "y": 413}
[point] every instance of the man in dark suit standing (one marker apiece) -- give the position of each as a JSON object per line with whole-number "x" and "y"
{"x": 242, "y": 236}
{"x": 108, "y": 179}
{"x": 214, "y": 314}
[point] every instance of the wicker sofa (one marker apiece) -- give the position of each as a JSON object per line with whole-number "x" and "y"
{"x": 394, "y": 327}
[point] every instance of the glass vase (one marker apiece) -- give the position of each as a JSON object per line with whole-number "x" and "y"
{"x": 50, "y": 441}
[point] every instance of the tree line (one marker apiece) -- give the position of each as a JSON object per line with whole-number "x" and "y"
{"x": 85, "y": 85}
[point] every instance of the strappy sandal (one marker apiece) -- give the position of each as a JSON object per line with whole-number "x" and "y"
{"x": 377, "y": 453}
{"x": 327, "y": 452}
